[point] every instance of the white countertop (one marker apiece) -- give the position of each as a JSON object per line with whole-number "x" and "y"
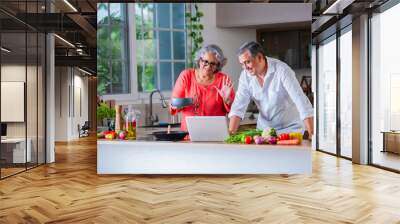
{"x": 186, "y": 157}
{"x": 185, "y": 144}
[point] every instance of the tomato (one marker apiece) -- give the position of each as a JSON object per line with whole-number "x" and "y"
{"x": 284, "y": 136}
{"x": 109, "y": 136}
{"x": 248, "y": 139}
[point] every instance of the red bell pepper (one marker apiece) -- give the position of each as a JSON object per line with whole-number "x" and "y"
{"x": 284, "y": 136}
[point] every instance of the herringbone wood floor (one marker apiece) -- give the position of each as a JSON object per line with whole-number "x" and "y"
{"x": 70, "y": 191}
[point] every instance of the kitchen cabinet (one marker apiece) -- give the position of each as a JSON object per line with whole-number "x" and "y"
{"x": 292, "y": 47}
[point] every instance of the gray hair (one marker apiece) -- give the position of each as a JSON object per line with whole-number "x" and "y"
{"x": 253, "y": 47}
{"x": 216, "y": 51}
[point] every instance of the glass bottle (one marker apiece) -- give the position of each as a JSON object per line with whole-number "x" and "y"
{"x": 130, "y": 124}
{"x": 118, "y": 118}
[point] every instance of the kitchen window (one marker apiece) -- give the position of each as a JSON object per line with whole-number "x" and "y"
{"x": 385, "y": 89}
{"x": 327, "y": 95}
{"x": 112, "y": 49}
{"x": 160, "y": 45}
{"x": 334, "y": 102}
{"x": 345, "y": 45}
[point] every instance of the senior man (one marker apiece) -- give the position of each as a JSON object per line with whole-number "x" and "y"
{"x": 274, "y": 88}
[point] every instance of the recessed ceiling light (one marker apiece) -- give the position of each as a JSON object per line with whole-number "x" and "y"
{"x": 5, "y": 50}
{"x": 337, "y": 7}
{"x": 70, "y": 5}
{"x": 84, "y": 71}
{"x": 64, "y": 40}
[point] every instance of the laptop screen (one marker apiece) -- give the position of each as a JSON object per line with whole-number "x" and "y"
{"x": 207, "y": 128}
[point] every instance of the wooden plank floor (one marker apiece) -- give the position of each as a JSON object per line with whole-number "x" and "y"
{"x": 70, "y": 191}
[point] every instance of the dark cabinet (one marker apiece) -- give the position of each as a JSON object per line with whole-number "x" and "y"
{"x": 292, "y": 47}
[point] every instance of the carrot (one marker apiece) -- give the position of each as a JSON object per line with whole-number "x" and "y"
{"x": 294, "y": 141}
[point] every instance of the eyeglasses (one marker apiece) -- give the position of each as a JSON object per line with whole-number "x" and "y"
{"x": 208, "y": 63}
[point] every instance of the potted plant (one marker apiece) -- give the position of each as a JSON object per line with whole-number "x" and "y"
{"x": 105, "y": 115}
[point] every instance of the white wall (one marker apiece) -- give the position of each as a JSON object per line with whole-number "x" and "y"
{"x": 67, "y": 115}
{"x": 61, "y": 103}
{"x": 16, "y": 72}
{"x": 262, "y": 14}
{"x": 228, "y": 39}
{"x": 79, "y": 117}
{"x": 33, "y": 127}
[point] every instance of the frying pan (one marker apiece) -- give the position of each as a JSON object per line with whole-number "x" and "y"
{"x": 172, "y": 136}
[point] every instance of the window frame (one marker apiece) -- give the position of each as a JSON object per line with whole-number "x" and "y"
{"x": 334, "y": 36}
{"x": 135, "y": 96}
{"x": 125, "y": 27}
{"x": 171, "y": 31}
{"x": 371, "y": 75}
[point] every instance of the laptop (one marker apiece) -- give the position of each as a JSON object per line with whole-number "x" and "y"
{"x": 207, "y": 128}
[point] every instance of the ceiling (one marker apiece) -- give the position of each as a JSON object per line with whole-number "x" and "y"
{"x": 75, "y": 21}
{"x": 72, "y": 20}
{"x": 331, "y": 15}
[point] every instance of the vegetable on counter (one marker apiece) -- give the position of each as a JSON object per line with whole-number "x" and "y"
{"x": 248, "y": 139}
{"x": 289, "y": 142}
{"x": 258, "y": 139}
{"x": 107, "y": 134}
{"x": 111, "y": 135}
{"x": 284, "y": 136}
{"x": 272, "y": 140}
{"x": 240, "y": 136}
{"x": 267, "y": 136}
{"x": 122, "y": 135}
{"x": 296, "y": 135}
{"x": 269, "y": 132}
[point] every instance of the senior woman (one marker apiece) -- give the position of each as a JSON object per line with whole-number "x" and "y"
{"x": 211, "y": 89}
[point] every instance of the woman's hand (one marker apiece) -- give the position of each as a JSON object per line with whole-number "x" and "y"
{"x": 173, "y": 110}
{"x": 225, "y": 90}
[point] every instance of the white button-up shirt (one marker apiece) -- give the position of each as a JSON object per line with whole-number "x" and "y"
{"x": 281, "y": 102}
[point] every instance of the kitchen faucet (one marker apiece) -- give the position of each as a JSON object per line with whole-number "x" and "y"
{"x": 152, "y": 119}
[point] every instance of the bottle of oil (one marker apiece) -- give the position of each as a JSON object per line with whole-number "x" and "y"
{"x": 118, "y": 118}
{"x": 130, "y": 124}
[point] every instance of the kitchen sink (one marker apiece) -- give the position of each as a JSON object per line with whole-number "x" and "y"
{"x": 161, "y": 125}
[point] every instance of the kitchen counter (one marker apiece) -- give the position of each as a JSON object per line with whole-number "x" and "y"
{"x": 144, "y": 156}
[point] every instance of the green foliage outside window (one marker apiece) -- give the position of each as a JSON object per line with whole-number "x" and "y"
{"x": 195, "y": 28}
{"x": 146, "y": 46}
{"x": 111, "y": 45}
{"x": 110, "y": 53}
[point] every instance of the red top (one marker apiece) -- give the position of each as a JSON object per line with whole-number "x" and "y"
{"x": 206, "y": 100}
